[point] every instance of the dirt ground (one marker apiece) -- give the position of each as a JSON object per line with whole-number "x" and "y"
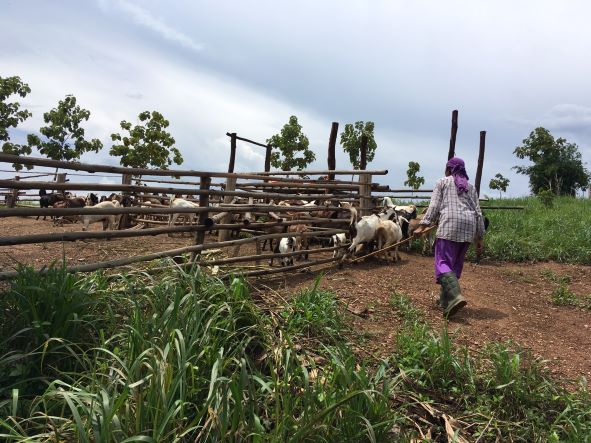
{"x": 506, "y": 301}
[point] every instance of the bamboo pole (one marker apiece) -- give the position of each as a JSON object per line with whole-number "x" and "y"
{"x": 162, "y": 254}
{"x": 25, "y": 160}
{"x": 282, "y": 269}
{"x": 232, "y": 152}
{"x": 57, "y": 212}
{"x": 134, "y": 188}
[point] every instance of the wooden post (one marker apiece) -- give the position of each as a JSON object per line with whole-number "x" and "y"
{"x": 61, "y": 178}
{"x": 11, "y": 201}
{"x": 204, "y": 185}
{"x": 125, "y": 220}
{"x": 332, "y": 142}
{"x": 454, "y": 132}
{"x": 232, "y": 152}
{"x": 268, "y": 158}
{"x": 365, "y": 204}
{"x": 363, "y": 153}
{"x": 224, "y": 234}
{"x": 480, "y": 162}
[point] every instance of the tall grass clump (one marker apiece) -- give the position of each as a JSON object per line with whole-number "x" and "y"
{"x": 507, "y": 394}
{"x": 184, "y": 357}
{"x": 559, "y": 233}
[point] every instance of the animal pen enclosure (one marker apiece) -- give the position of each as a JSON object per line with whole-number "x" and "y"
{"x": 244, "y": 202}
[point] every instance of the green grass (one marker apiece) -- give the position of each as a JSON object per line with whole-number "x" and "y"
{"x": 561, "y": 233}
{"x": 185, "y": 357}
{"x": 507, "y": 394}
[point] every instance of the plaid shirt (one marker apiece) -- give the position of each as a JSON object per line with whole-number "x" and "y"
{"x": 460, "y": 218}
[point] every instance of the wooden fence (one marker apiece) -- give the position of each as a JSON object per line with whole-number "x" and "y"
{"x": 243, "y": 201}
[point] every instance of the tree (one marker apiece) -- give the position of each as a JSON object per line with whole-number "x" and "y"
{"x": 11, "y": 115}
{"x": 499, "y": 183}
{"x": 414, "y": 181}
{"x": 557, "y": 164}
{"x": 65, "y": 136}
{"x": 288, "y": 144}
{"x": 351, "y": 141}
{"x": 148, "y": 144}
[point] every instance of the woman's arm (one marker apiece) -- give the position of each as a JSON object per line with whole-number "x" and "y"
{"x": 432, "y": 213}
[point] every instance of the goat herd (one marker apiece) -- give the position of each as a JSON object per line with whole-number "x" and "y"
{"x": 386, "y": 228}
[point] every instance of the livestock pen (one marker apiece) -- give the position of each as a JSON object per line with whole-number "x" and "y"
{"x": 243, "y": 202}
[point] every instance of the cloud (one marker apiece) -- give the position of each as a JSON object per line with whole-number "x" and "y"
{"x": 143, "y": 17}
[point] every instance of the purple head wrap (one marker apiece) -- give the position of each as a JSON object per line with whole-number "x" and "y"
{"x": 457, "y": 168}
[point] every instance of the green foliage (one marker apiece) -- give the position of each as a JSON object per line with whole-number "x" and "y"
{"x": 538, "y": 233}
{"x": 557, "y": 164}
{"x": 147, "y": 144}
{"x": 562, "y": 296}
{"x": 11, "y": 115}
{"x": 414, "y": 181}
{"x": 546, "y": 197}
{"x": 64, "y": 135}
{"x": 183, "y": 357}
{"x": 499, "y": 183}
{"x": 351, "y": 141}
{"x": 508, "y": 395}
{"x": 288, "y": 145}
{"x": 314, "y": 313}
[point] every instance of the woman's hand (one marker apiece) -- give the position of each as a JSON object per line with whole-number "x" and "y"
{"x": 420, "y": 230}
{"x": 479, "y": 246}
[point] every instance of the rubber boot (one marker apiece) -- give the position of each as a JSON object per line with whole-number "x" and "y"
{"x": 453, "y": 300}
{"x": 441, "y": 302}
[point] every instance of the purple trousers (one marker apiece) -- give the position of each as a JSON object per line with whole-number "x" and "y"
{"x": 449, "y": 257}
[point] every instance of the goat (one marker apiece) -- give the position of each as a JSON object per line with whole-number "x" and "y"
{"x": 287, "y": 244}
{"x": 338, "y": 240}
{"x": 303, "y": 241}
{"x": 91, "y": 199}
{"x": 389, "y": 233}
{"x": 365, "y": 229}
{"x": 181, "y": 203}
{"x": 109, "y": 221}
{"x": 46, "y": 200}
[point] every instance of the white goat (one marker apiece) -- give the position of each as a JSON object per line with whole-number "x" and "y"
{"x": 389, "y": 233}
{"x": 287, "y": 244}
{"x": 366, "y": 229}
{"x": 338, "y": 240}
{"x": 181, "y": 203}
{"x": 109, "y": 221}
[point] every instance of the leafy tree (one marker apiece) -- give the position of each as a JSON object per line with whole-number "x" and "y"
{"x": 64, "y": 135}
{"x": 11, "y": 115}
{"x": 148, "y": 144}
{"x": 351, "y": 141}
{"x": 499, "y": 183}
{"x": 557, "y": 164}
{"x": 414, "y": 181}
{"x": 288, "y": 144}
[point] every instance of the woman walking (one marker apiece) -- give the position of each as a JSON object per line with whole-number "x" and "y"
{"x": 454, "y": 206}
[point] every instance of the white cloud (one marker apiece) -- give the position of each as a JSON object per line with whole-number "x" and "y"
{"x": 143, "y": 17}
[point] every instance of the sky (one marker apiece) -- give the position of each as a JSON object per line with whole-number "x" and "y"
{"x": 212, "y": 67}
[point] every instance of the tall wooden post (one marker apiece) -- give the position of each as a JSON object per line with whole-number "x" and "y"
{"x": 13, "y": 198}
{"x": 332, "y": 143}
{"x": 61, "y": 178}
{"x": 224, "y": 234}
{"x": 365, "y": 204}
{"x": 454, "y": 132}
{"x": 232, "y": 152}
{"x": 363, "y": 153}
{"x": 124, "y": 220}
{"x": 268, "y": 158}
{"x": 480, "y": 161}
{"x": 204, "y": 185}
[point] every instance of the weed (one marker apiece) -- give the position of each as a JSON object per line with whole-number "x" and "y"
{"x": 562, "y": 296}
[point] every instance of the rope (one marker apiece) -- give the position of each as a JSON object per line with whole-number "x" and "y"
{"x": 392, "y": 246}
